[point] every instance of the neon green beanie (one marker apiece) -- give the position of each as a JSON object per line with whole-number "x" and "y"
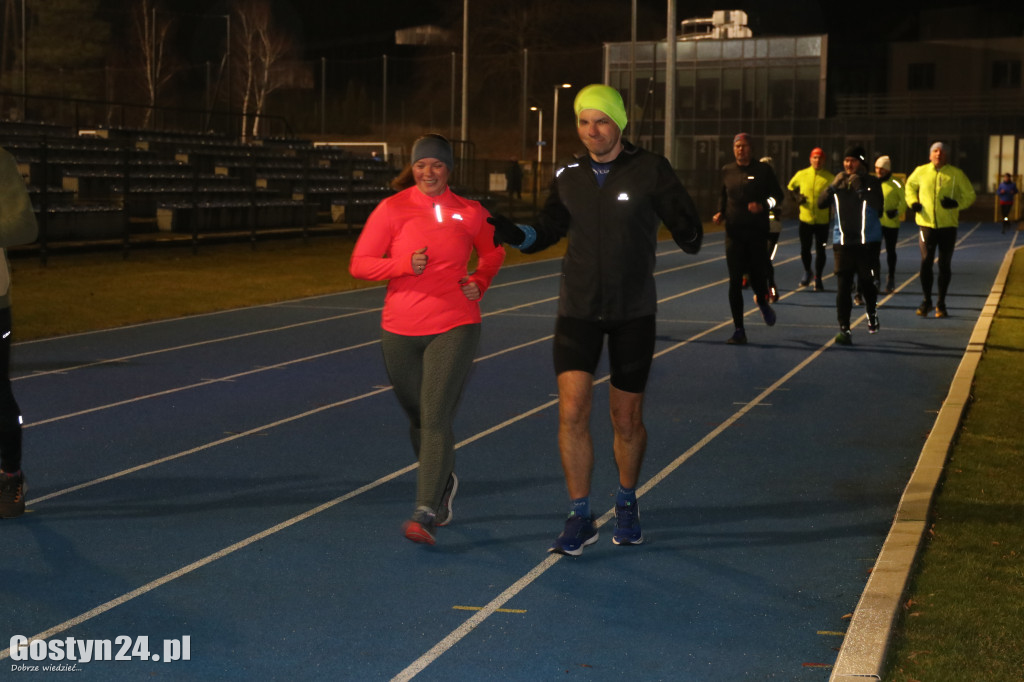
{"x": 605, "y": 99}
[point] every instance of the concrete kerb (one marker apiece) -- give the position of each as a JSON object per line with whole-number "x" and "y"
{"x": 866, "y": 644}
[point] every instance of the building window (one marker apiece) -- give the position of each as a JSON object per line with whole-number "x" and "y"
{"x": 921, "y": 76}
{"x": 1006, "y": 74}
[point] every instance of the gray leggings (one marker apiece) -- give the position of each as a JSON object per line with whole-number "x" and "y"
{"x": 428, "y": 374}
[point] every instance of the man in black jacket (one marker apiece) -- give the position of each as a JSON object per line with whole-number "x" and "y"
{"x": 749, "y": 191}
{"x": 856, "y": 200}
{"x": 610, "y": 202}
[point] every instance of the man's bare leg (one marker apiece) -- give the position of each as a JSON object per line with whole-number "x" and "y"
{"x": 575, "y": 396}
{"x": 627, "y": 414}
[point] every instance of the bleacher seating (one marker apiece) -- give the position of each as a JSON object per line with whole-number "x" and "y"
{"x": 118, "y": 184}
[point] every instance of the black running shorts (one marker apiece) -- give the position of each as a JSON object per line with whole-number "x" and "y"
{"x": 578, "y": 346}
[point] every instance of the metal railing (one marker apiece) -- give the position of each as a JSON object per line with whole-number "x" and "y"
{"x": 930, "y": 105}
{"x": 87, "y": 113}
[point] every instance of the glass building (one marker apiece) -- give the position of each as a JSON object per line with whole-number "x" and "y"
{"x": 773, "y": 88}
{"x": 968, "y": 93}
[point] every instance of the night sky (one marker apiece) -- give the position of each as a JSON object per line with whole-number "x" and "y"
{"x": 334, "y": 28}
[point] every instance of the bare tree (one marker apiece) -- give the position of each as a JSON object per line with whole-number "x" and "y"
{"x": 151, "y": 33}
{"x": 263, "y": 62}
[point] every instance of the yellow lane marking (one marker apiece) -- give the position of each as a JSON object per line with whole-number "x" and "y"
{"x": 478, "y": 608}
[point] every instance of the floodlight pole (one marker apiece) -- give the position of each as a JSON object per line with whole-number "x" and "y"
{"x": 540, "y": 135}
{"x": 24, "y": 62}
{"x": 554, "y": 125}
{"x": 465, "y": 70}
{"x": 670, "y": 85}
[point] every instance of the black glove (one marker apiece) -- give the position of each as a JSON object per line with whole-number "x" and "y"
{"x": 891, "y": 213}
{"x": 838, "y": 180}
{"x": 505, "y": 231}
{"x": 693, "y": 246}
{"x": 947, "y": 202}
{"x": 916, "y": 207}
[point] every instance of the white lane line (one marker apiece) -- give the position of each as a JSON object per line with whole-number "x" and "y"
{"x": 456, "y": 635}
{"x": 198, "y": 384}
{"x": 148, "y": 587}
{"x": 107, "y": 606}
{"x": 234, "y": 337}
{"x": 263, "y": 368}
{"x": 264, "y": 427}
{"x": 185, "y": 570}
{"x": 187, "y": 346}
{"x": 232, "y": 377}
{"x": 259, "y": 429}
{"x": 206, "y": 446}
{"x": 480, "y": 616}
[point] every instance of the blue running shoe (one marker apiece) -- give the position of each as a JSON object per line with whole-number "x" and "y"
{"x": 627, "y": 525}
{"x": 579, "y": 532}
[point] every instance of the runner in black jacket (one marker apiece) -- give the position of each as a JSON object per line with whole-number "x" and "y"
{"x": 856, "y": 200}
{"x": 610, "y": 203}
{"x": 749, "y": 191}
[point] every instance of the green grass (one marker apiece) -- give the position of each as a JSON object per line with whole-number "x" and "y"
{"x": 965, "y": 612}
{"x": 82, "y": 292}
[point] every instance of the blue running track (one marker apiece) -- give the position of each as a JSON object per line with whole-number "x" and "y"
{"x": 229, "y": 488}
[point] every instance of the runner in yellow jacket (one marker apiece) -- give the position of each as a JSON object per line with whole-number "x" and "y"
{"x": 806, "y": 186}
{"x": 895, "y": 204}
{"x": 936, "y": 193}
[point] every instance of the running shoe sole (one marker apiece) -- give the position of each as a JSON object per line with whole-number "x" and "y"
{"x": 444, "y": 514}
{"x": 561, "y": 549}
{"x": 625, "y": 542}
{"x": 574, "y": 537}
{"x": 418, "y": 533}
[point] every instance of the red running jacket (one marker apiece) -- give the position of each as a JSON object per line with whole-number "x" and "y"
{"x": 451, "y": 228}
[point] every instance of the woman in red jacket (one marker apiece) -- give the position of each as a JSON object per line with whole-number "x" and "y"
{"x": 421, "y": 240}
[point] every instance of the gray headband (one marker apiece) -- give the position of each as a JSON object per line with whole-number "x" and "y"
{"x": 433, "y": 147}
